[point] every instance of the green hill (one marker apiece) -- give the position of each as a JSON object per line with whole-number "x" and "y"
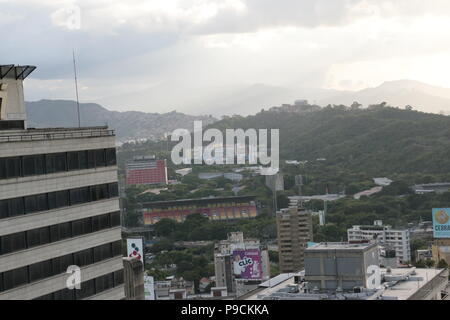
{"x": 377, "y": 141}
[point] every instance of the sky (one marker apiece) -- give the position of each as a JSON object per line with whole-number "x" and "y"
{"x": 164, "y": 55}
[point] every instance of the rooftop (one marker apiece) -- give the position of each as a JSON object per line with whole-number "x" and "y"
{"x": 33, "y": 134}
{"x": 397, "y": 284}
{"x": 340, "y": 246}
{"x": 10, "y": 71}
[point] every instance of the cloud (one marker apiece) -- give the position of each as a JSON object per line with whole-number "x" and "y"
{"x": 179, "y": 49}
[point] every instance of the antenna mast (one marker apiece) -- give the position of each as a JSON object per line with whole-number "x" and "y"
{"x": 76, "y": 87}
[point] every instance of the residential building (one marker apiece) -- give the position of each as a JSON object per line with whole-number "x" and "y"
{"x": 336, "y": 265}
{"x": 399, "y": 240}
{"x": 59, "y": 205}
{"x": 146, "y": 170}
{"x": 294, "y": 227}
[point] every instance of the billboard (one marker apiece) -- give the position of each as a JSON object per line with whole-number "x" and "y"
{"x": 247, "y": 264}
{"x": 135, "y": 248}
{"x": 441, "y": 223}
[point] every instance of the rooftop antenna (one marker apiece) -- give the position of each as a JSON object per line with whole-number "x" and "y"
{"x": 76, "y": 87}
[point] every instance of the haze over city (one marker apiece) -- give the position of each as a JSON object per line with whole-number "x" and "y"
{"x": 195, "y": 56}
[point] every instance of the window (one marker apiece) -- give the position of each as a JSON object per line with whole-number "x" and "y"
{"x": 113, "y": 190}
{"x": 111, "y": 157}
{"x": 87, "y": 290}
{"x": 102, "y": 252}
{"x": 4, "y": 209}
{"x": 80, "y": 227}
{"x": 72, "y": 161}
{"x": 13, "y": 167}
{"x": 104, "y": 283}
{"x": 3, "y": 174}
{"x": 91, "y": 159}
{"x": 115, "y": 219}
{"x": 16, "y": 207}
{"x": 41, "y": 270}
{"x": 83, "y": 159}
{"x": 65, "y": 230}
{"x": 61, "y": 264}
{"x": 83, "y": 258}
{"x": 100, "y": 158}
{"x": 117, "y": 248}
{"x": 64, "y": 294}
{"x": 56, "y": 162}
{"x": 12, "y": 242}
{"x": 118, "y": 278}
{"x": 15, "y": 278}
{"x": 33, "y": 165}
{"x": 38, "y": 237}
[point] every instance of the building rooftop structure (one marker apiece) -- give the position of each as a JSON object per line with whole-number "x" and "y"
{"x": 340, "y": 246}
{"x": 397, "y": 284}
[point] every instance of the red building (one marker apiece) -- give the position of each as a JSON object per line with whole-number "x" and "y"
{"x": 146, "y": 170}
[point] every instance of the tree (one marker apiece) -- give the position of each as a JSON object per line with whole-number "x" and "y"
{"x": 165, "y": 227}
{"x": 355, "y": 105}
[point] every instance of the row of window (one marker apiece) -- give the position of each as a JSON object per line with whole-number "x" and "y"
{"x": 38, "y": 164}
{"x": 41, "y": 236}
{"x": 53, "y": 200}
{"x": 88, "y": 288}
{"x": 15, "y": 278}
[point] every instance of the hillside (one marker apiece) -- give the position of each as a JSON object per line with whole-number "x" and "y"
{"x": 129, "y": 125}
{"x": 378, "y": 141}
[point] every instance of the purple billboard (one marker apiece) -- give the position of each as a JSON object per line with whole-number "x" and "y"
{"x": 247, "y": 264}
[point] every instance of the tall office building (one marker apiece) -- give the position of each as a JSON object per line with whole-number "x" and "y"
{"x": 59, "y": 205}
{"x": 294, "y": 227}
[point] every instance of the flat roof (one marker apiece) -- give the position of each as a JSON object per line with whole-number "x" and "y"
{"x": 403, "y": 289}
{"x": 340, "y": 246}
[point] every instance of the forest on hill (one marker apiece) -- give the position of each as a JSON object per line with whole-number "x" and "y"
{"x": 379, "y": 140}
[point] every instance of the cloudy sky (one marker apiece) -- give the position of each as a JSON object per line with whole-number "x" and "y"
{"x": 161, "y": 55}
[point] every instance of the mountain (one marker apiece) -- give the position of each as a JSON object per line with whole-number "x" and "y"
{"x": 129, "y": 125}
{"x": 378, "y": 141}
{"x": 247, "y": 99}
{"x": 420, "y": 96}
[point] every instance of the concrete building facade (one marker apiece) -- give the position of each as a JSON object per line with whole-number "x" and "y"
{"x": 294, "y": 227}
{"x": 59, "y": 206}
{"x": 398, "y": 240}
{"x": 329, "y": 266}
{"x": 133, "y": 279}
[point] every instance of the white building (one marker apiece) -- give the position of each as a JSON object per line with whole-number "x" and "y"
{"x": 59, "y": 205}
{"x": 398, "y": 240}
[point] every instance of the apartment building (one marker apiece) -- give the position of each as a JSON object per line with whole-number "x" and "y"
{"x": 398, "y": 240}
{"x": 294, "y": 227}
{"x": 59, "y": 205}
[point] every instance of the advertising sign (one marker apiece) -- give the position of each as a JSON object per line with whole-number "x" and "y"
{"x": 135, "y": 248}
{"x": 441, "y": 223}
{"x": 247, "y": 264}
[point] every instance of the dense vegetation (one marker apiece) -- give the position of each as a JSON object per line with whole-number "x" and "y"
{"x": 377, "y": 141}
